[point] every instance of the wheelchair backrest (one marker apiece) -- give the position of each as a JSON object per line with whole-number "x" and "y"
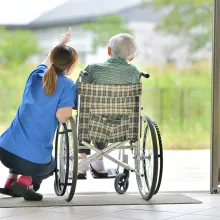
{"x": 108, "y": 113}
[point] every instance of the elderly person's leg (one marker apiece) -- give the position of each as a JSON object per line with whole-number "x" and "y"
{"x": 83, "y": 153}
{"x": 98, "y": 165}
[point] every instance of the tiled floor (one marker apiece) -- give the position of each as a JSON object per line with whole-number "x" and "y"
{"x": 208, "y": 210}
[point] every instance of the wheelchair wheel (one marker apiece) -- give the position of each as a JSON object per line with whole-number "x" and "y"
{"x": 146, "y": 159}
{"x": 66, "y": 156}
{"x": 62, "y": 163}
{"x": 160, "y": 157}
{"x": 73, "y": 159}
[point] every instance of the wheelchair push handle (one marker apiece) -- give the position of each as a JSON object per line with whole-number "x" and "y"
{"x": 145, "y": 75}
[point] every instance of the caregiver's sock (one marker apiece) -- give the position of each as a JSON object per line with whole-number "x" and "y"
{"x": 8, "y": 182}
{"x": 25, "y": 180}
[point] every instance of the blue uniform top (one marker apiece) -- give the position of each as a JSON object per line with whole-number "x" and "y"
{"x": 30, "y": 136}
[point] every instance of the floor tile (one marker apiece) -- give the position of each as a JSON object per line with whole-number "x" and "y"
{"x": 18, "y": 211}
{"x": 212, "y": 212}
{"x": 143, "y": 214}
{"x": 211, "y": 199}
{"x": 101, "y": 217}
{"x": 90, "y": 210}
{"x": 181, "y": 209}
{"x": 208, "y": 201}
{"x": 47, "y": 216}
{"x": 196, "y": 217}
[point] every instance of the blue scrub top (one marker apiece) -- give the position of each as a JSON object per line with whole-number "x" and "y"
{"x": 30, "y": 136}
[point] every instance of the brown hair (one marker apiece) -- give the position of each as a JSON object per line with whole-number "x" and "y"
{"x": 62, "y": 57}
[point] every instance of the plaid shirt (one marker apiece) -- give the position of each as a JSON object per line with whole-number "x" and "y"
{"x": 113, "y": 71}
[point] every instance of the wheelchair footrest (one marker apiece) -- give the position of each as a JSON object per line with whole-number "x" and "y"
{"x": 111, "y": 174}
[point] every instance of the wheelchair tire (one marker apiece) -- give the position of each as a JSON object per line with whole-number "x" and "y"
{"x": 146, "y": 186}
{"x": 160, "y": 157}
{"x": 74, "y": 158}
{"x": 121, "y": 184}
{"x": 61, "y": 185}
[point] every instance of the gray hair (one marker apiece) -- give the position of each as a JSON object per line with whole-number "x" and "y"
{"x": 123, "y": 46}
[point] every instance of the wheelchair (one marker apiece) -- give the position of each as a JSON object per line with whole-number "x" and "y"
{"x": 112, "y": 114}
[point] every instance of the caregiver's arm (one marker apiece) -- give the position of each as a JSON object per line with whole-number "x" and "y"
{"x": 63, "y": 114}
{"x": 65, "y": 38}
{"x": 66, "y": 102}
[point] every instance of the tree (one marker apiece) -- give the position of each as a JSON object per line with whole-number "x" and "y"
{"x": 104, "y": 28}
{"x": 16, "y": 46}
{"x": 191, "y": 19}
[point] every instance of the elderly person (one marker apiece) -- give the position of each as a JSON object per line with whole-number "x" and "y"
{"x": 116, "y": 70}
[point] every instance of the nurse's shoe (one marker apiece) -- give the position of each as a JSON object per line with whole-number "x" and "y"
{"x": 7, "y": 187}
{"x": 23, "y": 187}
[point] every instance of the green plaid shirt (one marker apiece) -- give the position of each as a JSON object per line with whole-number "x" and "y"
{"x": 113, "y": 72}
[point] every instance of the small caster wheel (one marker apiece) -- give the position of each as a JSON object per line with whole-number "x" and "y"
{"x": 121, "y": 184}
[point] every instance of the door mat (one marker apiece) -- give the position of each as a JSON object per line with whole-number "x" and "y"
{"x": 95, "y": 199}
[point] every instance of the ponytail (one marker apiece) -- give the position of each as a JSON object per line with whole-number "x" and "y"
{"x": 50, "y": 81}
{"x": 62, "y": 58}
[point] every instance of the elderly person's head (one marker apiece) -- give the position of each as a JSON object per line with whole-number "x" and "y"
{"x": 122, "y": 46}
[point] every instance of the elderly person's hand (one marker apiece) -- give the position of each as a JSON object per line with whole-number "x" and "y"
{"x": 65, "y": 38}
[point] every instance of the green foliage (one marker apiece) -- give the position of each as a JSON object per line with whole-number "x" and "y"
{"x": 12, "y": 84}
{"x": 189, "y": 18}
{"x": 180, "y": 102}
{"x": 16, "y": 46}
{"x": 104, "y": 28}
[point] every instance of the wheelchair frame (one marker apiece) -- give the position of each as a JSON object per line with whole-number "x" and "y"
{"x": 69, "y": 179}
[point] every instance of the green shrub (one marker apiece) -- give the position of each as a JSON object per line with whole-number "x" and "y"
{"x": 17, "y": 46}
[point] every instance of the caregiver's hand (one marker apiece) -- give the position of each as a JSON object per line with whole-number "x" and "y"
{"x": 65, "y": 38}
